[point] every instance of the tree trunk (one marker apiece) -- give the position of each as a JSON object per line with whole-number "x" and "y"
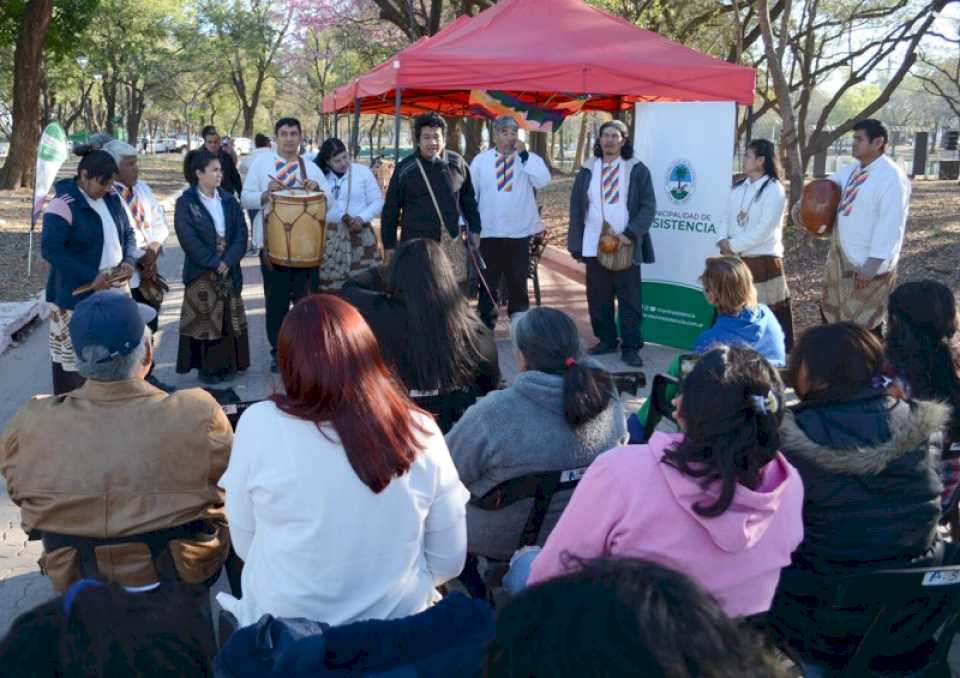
{"x": 454, "y": 125}
{"x": 19, "y": 167}
{"x": 539, "y": 144}
{"x": 249, "y": 113}
{"x": 135, "y": 115}
{"x": 474, "y": 138}
{"x": 788, "y": 136}
{"x": 110, "y": 101}
{"x": 581, "y": 142}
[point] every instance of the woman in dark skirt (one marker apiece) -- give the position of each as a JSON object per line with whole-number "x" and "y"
{"x": 213, "y": 234}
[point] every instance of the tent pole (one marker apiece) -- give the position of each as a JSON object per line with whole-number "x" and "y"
{"x": 355, "y": 141}
{"x": 396, "y": 128}
{"x": 749, "y": 124}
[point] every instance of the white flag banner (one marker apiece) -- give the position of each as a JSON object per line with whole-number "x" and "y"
{"x": 50, "y": 157}
{"x": 688, "y": 148}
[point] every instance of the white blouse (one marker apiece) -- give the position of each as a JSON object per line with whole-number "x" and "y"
{"x": 356, "y": 193}
{"x": 754, "y": 219}
{"x": 214, "y": 206}
{"x": 318, "y": 543}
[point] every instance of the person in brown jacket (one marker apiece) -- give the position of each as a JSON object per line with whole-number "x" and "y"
{"x": 118, "y": 478}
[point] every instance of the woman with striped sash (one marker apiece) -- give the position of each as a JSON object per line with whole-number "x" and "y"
{"x": 753, "y": 230}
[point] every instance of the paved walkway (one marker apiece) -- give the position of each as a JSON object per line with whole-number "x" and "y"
{"x": 25, "y": 371}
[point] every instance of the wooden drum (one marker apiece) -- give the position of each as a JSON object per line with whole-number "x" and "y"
{"x": 296, "y": 228}
{"x": 818, "y": 206}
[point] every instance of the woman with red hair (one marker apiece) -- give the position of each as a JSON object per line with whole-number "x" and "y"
{"x": 342, "y": 498}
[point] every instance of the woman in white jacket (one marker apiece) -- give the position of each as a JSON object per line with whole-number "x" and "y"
{"x": 754, "y": 230}
{"x": 341, "y": 496}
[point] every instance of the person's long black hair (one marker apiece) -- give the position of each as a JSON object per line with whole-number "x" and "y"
{"x": 328, "y": 149}
{"x": 549, "y": 342}
{"x": 443, "y": 342}
{"x": 762, "y": 148}
{"x": 923, "y": 346}
{"x": 732, "y": 408}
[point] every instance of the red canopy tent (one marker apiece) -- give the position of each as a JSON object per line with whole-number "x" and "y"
{"x": 542, "y": 51}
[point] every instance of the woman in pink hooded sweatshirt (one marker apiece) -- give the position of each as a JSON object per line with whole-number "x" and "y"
{"x": 718, "y": 502}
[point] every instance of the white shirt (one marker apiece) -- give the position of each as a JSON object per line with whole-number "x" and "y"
{"x": 112, "y": 253}
{"x": 154, "y": 226}
{"x": 616, "y": 213}
{"x": 214, "y": 206}
{"x": 762, "y": 233}
{"x": 318, "y": 543}
{"x": 508, "y": 213}
{"x": 258, "y": 178}
{"x": 365, "y": 201}
{"x": 872, "y": 218}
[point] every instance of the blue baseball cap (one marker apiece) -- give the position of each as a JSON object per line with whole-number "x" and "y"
{"x": 110, "y": 319}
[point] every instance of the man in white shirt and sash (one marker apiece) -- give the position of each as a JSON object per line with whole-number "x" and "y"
{"x": 276, "y": 171}
{"x": 505, "y": 179}
{"x": 150, "y": 229}
{"x": 861, "y": 268}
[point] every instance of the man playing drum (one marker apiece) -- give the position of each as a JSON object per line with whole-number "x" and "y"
{"x": 861, "y": 269}
{"x": 276, "y": 171}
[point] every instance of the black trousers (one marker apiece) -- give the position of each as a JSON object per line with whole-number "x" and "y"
{"x": 140, "y": 299}
{"x": 64, "y": 381}
{"x": 282, "y": 287}
{"x": 603, "y": 286}
{"x": 505, "y": 258}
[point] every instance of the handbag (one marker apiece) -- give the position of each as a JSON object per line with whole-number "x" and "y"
{"x": 454, "y": 248}
{"x": 365, "y": 249}
{"x": 619, "y": 259}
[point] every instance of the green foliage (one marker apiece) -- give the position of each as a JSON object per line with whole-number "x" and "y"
{"x": 70, "y": 17}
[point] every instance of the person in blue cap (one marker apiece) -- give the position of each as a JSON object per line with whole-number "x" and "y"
{"x": 119, "y": 478}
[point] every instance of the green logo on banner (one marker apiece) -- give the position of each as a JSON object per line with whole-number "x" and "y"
{"x": 53, "y": 144}
{"x": 681, "y": 181}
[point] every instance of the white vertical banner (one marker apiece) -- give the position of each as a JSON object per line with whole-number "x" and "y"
{"x": 688, "y": 148}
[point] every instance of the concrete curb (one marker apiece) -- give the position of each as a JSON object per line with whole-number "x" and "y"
{"x": 15, "y": 315}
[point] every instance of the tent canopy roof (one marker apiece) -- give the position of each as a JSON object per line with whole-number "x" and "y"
{"x": 544, "y": 50}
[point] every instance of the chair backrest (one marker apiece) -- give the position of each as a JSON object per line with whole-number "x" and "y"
{"x": 661, "y": 405}
{"x": 541, "y": 487}
{"x": 907, "y": 607}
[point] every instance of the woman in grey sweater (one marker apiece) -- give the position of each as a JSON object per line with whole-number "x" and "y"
{"x": 560, "y": 413}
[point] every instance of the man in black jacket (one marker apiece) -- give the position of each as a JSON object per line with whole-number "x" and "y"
{"x": 231, "y": 182}
{"x": 616, "y": 189}
{"x": 409, "y": 204}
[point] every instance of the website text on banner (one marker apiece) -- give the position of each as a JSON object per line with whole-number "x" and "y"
{"x": 688, "y": 148}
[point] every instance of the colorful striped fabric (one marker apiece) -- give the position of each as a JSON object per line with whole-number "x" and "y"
{"x": 610, "y": 176}
{"x": 531, "y": 117}
{"x": 287, "y": 173}
{"x": 850, "y": 193}
{"x": 137, "y": 210}
{"x": 505, "y": 173}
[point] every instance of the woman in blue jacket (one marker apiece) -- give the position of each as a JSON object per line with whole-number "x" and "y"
{"x": 89, "y": 244}
{"x": 213, "y": 234}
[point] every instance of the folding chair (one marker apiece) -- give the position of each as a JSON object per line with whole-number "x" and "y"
{"x": 914, "y": 615}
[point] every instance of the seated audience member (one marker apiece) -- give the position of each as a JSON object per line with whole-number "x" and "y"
{"x": 118, "y": 477}
{"x": 872, "y": 486}
{"x": 448, "y": 639}
{"x": 718, "y": 501}
{"x": 98, "y": 630}
{"x": 343, "y": 501}
{"x": 561, "y": 412}
{"x": 728, "y": 285}
{"x": 427, "y": 331}
{"x": 623, "y": 617}
{"x": 923, "y": 356}
{"x": 741, "y": 321}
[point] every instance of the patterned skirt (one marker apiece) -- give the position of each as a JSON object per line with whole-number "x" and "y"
{"x": 61, "y": 346}
{"x": 213, "y": 326}
{"x": 842, "y": 300}
{"x": 335, "y": 265}
{"x": 770, "y": 281}
{"x": 365, "y": 250}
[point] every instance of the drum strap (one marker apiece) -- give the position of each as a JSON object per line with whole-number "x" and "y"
{"x": 303, "y": 171}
